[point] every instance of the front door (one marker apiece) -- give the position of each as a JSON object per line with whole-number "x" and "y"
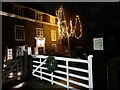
{"x": 40, "y": 50}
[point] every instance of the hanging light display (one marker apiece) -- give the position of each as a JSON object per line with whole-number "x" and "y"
{"x": 62, "y": 24}
{"x": 68, "y": 30}
{"x": 78, "y": 24}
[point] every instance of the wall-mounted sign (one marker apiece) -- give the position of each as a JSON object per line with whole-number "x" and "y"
{"x": 98, "y": 43}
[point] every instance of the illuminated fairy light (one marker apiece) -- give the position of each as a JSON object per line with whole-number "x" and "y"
{"x": 63, "y": 28}
{"x": 62, "y": 25}
{"x": 67, "y": 30}
{"x": 18, "y": 78}
{"x": 19, "y": 74}
{"x": 71, "y": 33}
{"x": 78, "y": 20}
{"x": 10, "y": 75}
{"x": 4, "y": 65}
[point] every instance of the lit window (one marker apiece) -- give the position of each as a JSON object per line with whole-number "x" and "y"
{"x": 9, "y": 54}
{"x": 19, "y": 33}
{"x": 29, "y": 51}
{"x": 39, "y": 32}
{"x": 38, "y": 16}
{"x": 53, "y": 35}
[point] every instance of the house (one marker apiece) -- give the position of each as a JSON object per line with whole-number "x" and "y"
{"x": 24, "y": 26}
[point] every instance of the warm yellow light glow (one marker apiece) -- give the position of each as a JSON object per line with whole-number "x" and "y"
{"x": 63, "y": 26}
{"x": 78, "y": 21}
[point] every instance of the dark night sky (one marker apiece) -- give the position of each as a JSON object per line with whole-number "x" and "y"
{"x": 94, "y": 15}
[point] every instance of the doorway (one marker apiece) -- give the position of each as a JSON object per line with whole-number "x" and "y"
{"x": 40, "y": 50}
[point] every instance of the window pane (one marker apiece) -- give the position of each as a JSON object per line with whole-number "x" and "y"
{"x": 19, "y": 32}
{"x": 39, "y": 32}
{"x": 9, "y": 54}
{"x": 38, "y": 16}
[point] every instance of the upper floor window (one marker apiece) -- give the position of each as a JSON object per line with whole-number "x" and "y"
{"x": 9, "y": 54}
{"x": 39, "y": 32}
{"x": 19, "y": 33}
{"x": 38, "y": 16}
{"x": 53, "y": 35}
{"x": 19, "y": 10}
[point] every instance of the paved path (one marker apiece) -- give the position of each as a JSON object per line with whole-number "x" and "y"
{"x": 36, "y": 84}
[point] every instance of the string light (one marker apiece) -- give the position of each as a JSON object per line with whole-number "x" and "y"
{"x": 62, "y": 25}
{"x": 76, "y": 23}
{"x": 63, "y": 28}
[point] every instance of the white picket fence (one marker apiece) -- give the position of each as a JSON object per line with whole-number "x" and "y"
{"x": 70, "y": 73}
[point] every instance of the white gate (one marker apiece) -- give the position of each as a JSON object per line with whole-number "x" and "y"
{"x": 71, "y": 73}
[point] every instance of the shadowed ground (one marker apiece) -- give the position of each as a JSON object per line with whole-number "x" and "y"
{"x": 35, "y": 84}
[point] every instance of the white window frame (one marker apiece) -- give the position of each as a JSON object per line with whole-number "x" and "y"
{"x": 9, "y": 54}
{"x": 19, "y": 26}
{"x": 39, "y": 32}
{"x": 53, "y": 35}
{"x": 29, "y": 51}
{"x": 38, "y": 16}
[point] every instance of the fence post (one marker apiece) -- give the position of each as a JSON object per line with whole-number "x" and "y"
{"x": 25, "y": 62}
{"x": 30, "y": 66}
{"x": 40, "y": 70}
{"x": 90, "y": 72}
{"x": 67, "y": 71}
{"x": 52, "y": 78}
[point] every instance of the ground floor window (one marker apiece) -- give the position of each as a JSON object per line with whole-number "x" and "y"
{"x": 9, "y": 54}
{"x": 29, "y": 51}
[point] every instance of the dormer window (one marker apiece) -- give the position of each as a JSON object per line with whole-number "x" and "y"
{"x": 38, "y": 16}
{"x": 18, "y": 10}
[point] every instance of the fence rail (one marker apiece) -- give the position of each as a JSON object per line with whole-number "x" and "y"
{"x": 71, "y": 73}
